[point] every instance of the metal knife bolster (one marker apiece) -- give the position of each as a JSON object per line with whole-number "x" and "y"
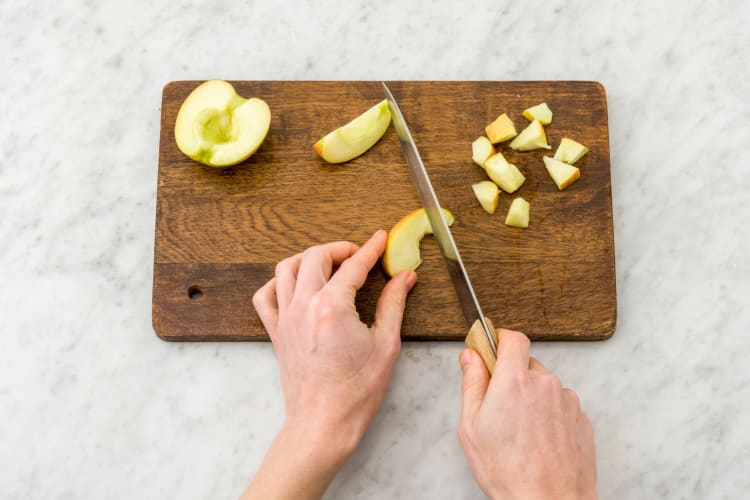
{"x": 456, "y": 269}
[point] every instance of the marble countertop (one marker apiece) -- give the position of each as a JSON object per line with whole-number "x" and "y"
{"x": 94, "y": 405}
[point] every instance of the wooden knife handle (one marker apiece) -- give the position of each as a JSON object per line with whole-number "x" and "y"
{"x": 477, "y": 340}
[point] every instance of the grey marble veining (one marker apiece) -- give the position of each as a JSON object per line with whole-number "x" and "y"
{"x": 95, "y": 406}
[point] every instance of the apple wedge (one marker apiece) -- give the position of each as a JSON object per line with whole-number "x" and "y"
{"x": 402, "y": 247}
{"x": 501, "y": 129}
{"x": 488, "y": 195}
{"x": 504, "y": 174}
{"x": 518, "y": 213}
{"x": 563, "y": 174}
{"x": 481, "y": 149}
{"x": 351, "y": 140}
{"x": 570, "y": 151}
{"x": 539, "y": 112}
{"x": 532, "y": 137}
{"x": 217, "y": 127}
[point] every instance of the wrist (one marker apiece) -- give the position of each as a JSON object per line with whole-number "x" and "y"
{"x": 326, "y": 442}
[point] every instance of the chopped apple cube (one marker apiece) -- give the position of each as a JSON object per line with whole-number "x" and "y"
{"x": 402, "y": 246}
{"x": 532, "y": 137}
{"x": 481, "y": 149}
{"x": 563, "y": 174}
{"x": 501, "y": 129}
{"x": 570, "y": 151}
{"x": 504, "y": 174}
{"x": 539, "y": 112}
{"x": 488, "y": 195}
{"x": 518, "y": 213}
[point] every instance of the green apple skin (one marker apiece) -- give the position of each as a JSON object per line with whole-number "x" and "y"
{"x": 356, "y": 137}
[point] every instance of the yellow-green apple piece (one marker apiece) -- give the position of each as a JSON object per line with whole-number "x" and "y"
{"x": 532, "y": 137}
{"x": 402, "y": 247}
{"x": 518, "y": 213}
{"x": 504, "y": 174}
{"x": 351, "y": 140}
{"x": 570, "y": 151}
{"x": 481, "y": 149}
{"x": 501, "y": 129}
{"x": 562, "y": 173}
{"x": 539, "y": 112}
{"x": 488, "y": 195}
{"x": 219, "y": 128}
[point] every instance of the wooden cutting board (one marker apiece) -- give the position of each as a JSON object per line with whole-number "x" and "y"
{"x": 220, "y": 232}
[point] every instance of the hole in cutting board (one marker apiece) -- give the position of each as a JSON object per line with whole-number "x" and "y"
{"x": 195, "y": 292}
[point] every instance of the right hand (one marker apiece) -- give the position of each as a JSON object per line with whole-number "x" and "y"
{"x": 524, "y": 436}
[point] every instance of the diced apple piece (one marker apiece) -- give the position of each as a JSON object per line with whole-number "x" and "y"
{"x": 518, "y": 213}
{"x": 481, "y": 149}
{"x": 570, "y": 151}
{"x": 402, "y": 247}
{"x": 488, "y": 195}
{"x": 501, "y": 129}
{"x": 539, "y": 112}
{"x": 504, "y": 174}
{"x": 563, "y": 174}
{"x": 532, "y": 137}
{"x": 219, "y": 128}
{"x": 351, "y": 140}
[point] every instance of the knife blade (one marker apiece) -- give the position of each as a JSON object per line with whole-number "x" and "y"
{"x": 459, "y": 277}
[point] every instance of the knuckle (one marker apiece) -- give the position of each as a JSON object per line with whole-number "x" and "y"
{"x": 283, "y": 265}
{"x": 551, "y": 381}
{"x": 572, "y": 398}
{"x": 518, "y": 339}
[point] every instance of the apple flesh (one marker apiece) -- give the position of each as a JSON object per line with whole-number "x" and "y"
{"x": 353, "y": 139}
{"x": 481, "y": 149}
{"x": 539, "y": 112}
{"x": 488, "y": 195}
{"x": 402, "y": 247}
{"x": 563, "y": 174}
{"x": 217, "y": 127}
{"x": 518, "y": 213}
{"x": 501, "y": 129}
{"x": 504, "y": 174}
{"x": 570, "y": 151}
{"x": 532, "y": 137}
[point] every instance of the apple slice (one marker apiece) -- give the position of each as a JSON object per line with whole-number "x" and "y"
{"x": 518, "y": 213}
{"x": 504, "y": 174}
{"x": 532, "y": 137}
{"x": 481, "y": 149}
{"x": 570, "y": 151}
{"x": 563, "y": 174}
{"x": 488, "y": 195}
{"x": 402, "y": 247}
{"x": 539, "y": 112}
{"x": 501, "y": 129}
{"x": 217, "y": 127}
{"x": 351, "y": 140}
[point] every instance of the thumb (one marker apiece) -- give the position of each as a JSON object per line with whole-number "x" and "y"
{"x": 389, "y": 310}
{"x": 474, "y": 386}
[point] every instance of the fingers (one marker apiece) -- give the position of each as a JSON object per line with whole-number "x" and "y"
{"x": 536, "y": 365}
{"x": 317, "y": 264}
{"x": 513, "y": 351}
{"x": 264, "y": 301}
{"x": 474, "y": 386}
{"x": 352, "y": 273}
{"x": 286, "y": 280}
{"x": 389, "y": 310}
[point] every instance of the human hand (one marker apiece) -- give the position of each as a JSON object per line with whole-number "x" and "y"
{"x": 523, "y": 435}
{"x": 335, "y": 370}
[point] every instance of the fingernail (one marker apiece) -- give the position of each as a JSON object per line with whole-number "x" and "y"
{"x": 411, "y": 279}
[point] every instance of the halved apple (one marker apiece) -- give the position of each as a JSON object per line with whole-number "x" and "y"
{"x": 532, "y": 137}
{"x": 481, "y": 149}
{"x": 217, "y": 127}
{"x": 563, "y": 174}
{"x": 518, "y": 213}
{"x": 539, "y": 112}
{"x": 488, "y": 195}
{"x": 501, "y": 129}
{"x": 351, "y": 140}
{"x": 402, "y": 247}
{"x": 504, "y": 174}
{"x": 570, "y": 151}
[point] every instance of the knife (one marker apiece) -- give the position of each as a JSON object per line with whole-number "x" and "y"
{"x": 482, "y": 336}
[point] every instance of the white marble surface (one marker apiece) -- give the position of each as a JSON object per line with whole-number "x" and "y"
{"x": 94, "y": 405}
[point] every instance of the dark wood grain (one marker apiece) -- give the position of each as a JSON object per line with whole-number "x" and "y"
{"x": 223, "y": 230}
